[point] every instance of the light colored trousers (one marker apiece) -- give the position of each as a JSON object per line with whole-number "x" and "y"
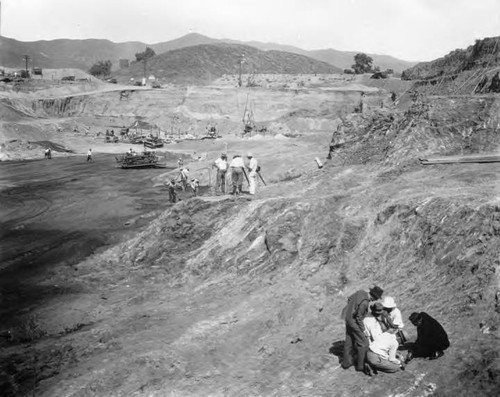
{"x": 252, "y": 178}
{"x": 381, "y": 364}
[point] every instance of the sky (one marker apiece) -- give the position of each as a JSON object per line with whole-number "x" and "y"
{"x": 413, "y": 30}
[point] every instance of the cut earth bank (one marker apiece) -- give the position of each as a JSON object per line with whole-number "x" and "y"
{"x": 223, "y": 296}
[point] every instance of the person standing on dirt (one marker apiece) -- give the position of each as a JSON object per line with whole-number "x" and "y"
{"x": 172, "y": 194}
{"x": 432, "y": 339}
{"x": 195, "y": 184}
{"x": 221, "y": 165}
{"x": 356, "y": 341}
{"x": 180, "y": 162}
{"x": 252, "y": 173}
{"x": 184, "y": 176}
{"x": 237, "y": 167}
{"x": 89, "y": 155}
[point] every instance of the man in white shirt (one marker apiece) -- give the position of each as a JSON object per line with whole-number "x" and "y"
{"x": 89, "y": 155}
{"x": 221, "y": 165}
{"x": 382, "y": 353}
{"x": 252, "y": 175}
{"x": 237, "y": 168}
{"x": 184, "y": 174}
{"x": 394, "y": 313}
{"x": 373, "y": 326}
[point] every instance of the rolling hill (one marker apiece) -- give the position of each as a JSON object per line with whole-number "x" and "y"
{"x": 205, "y": 62}
{"x": 64, "y": 53}
{"x": 341, "y": 59}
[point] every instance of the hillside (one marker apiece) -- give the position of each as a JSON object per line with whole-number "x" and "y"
{"x": 84, "y": 53}
{"x": 473, "y": 70}
{"x": 204, "y": 63}
{"x": 482, "y": 54}
{"x": 65, "y": 53}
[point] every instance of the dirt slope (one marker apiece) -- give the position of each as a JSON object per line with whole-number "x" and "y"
{"x": 242, "y": 297}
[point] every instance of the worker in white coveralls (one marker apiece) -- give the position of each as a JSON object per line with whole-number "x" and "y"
{"x": 252, "y": 173}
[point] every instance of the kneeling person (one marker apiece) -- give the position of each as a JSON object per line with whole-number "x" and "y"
{"x": 382, "y": 353}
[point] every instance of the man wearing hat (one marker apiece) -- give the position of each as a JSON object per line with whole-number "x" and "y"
{"x": 373, "y": 324}
{"x": 356, "y": 341}
{"x": 432, "y": 339}
{"x": 393, "y": 312}
{"x": 221, "y": 165}
{"x": 237, "y": 167}
{"x": 252, "y": 173}
{"x": 394, "y": 318}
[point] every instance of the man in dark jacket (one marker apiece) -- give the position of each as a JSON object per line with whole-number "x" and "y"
{"x": 431, "y": 337}
{"x": 355, "y": 338}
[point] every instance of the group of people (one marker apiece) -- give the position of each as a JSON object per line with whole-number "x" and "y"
{"x": 375, "y": 332}
{"x": 237, "y": 168}
{"x": 183, "y": 183}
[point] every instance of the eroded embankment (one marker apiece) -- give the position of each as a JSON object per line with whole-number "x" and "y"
{"x": 241, "y": 297}
{"x": 316, "y": 108}
{"x": 438, "y": 126}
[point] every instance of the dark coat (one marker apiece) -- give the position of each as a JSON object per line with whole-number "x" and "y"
{"x": 431, "y": 336}
{"x": 357, "y": 309}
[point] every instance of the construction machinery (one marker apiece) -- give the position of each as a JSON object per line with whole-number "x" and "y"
{"x": 137, "y": 160}
{"x": 249, "y": 124}
{"x": 211, "y": 132}
{"x": 111, "y": 137}
{"x": 153, "y": 142}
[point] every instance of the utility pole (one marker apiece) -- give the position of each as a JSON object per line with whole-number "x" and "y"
{"x": 242, "y": 59}
{"x": 26, "y": 58}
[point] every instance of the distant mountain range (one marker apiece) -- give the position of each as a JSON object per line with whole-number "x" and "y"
{"x": 82, "y": 54}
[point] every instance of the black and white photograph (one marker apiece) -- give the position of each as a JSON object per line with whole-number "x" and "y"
{"x": 266, "y": 198}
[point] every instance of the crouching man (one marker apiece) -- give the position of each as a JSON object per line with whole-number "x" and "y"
{"x": 432, "y": 339}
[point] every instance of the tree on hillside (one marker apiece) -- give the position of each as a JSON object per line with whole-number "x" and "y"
{"x": 363, "y": 63}
{"x": 144, "y": 56}
{"x": 101, "y": 68}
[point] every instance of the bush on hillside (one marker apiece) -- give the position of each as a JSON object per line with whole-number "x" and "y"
{"x": 101, "y": 68}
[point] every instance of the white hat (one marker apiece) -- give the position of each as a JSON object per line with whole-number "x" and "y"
{"x": 388, "y": 302}
{"x": 249, "y": 154}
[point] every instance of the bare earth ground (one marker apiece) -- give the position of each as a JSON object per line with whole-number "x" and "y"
{"x": 108, "y": 290}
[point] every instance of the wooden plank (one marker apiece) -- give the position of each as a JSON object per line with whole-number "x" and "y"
{"x": 456, "y": 160}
